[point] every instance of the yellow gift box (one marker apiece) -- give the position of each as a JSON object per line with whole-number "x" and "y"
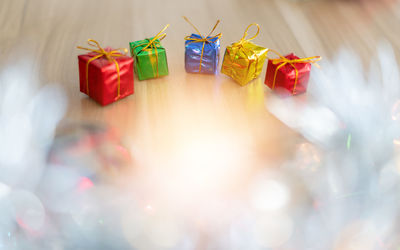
{"x": 244, "y": 60}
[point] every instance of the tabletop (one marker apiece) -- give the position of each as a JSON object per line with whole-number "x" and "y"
{"x": 181, "y": 120}
{"x": 48, "y": 32}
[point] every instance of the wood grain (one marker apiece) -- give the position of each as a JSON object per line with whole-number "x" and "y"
{"x": 182, "y": 107}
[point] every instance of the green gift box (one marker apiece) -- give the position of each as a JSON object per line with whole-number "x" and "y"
{"x": 150, "y": 58}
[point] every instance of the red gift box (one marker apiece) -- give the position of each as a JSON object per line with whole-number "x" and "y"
{"x": 290, "y": 72}
{"x": 99, "y": 71}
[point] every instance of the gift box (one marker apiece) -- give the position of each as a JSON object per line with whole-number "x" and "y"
{"x": 150, "y": 57}
{"x": 106, "y": 75}
{"x": 244, "y": 60}
{"x": 202, "y": 57}
{"x": 290, "y": 72}
{"x": 202, "y": 52}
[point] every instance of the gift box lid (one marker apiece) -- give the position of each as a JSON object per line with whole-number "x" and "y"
{"x": 213, "y": 40}
{"x": 103, "y": 61}
{"x": 290, "y": 71}
{"x": 137, "y": 46}
{"x": 247, "y": 50}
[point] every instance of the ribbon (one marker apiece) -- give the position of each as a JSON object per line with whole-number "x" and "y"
{"x": 150, "y": 44}
{"x": 109, "y": 55}
{"x": 283, "y": 61}
{"x": 243, "y": 40}
{"x": 204, "y": 39}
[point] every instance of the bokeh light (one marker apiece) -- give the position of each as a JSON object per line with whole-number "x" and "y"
{"x": 269, "y": 194}
{"x": 29, "y": 211}
{"x": 396, "y": 111}
{"x": 272, "y": 230}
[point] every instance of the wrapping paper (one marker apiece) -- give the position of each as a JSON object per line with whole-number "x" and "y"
{"x": 244, "y": 60}
{"x": 244, "y": 63}
{"x": 102, "y": 85}
{"x": 149, "y": 62}
{"x": 286, "y": 76}
{"x": 210, "y": 59}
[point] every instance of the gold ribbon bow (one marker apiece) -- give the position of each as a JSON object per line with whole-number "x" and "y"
{"x": 153, "y": 44}
{"x": 243, "y": 40}
{"x": 283, "y": 61}
{"x": 109, "y": 55}
{"x": 203, "y": 39}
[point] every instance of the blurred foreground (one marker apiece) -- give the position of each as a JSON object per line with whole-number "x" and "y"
{"x": 79, "y": 187}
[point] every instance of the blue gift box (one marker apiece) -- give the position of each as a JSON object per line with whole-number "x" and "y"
{"x": 210, "y": 59}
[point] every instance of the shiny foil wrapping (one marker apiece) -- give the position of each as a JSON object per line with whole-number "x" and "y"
{"x": 210, "y": 59}
{"x": 103, "y": 83}
{"x": 244, "y": 61}
{"x": 286, "y": 76}
{"x": 148, "y": 63}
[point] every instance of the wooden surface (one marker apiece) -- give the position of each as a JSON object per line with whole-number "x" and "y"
{"x": 199, "y": 142}
{"x": 172, "y": 112}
